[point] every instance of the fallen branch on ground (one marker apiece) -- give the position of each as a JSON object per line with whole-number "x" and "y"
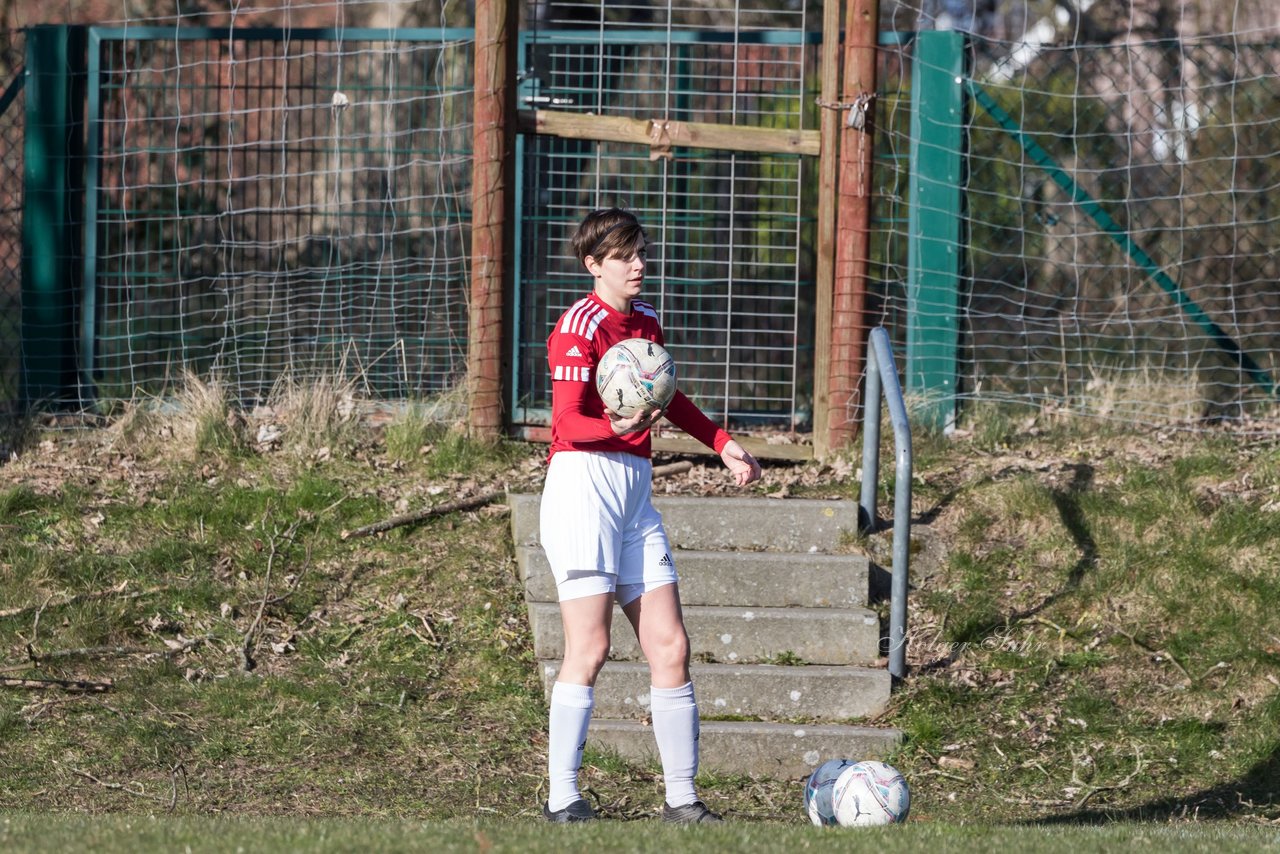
{"x": 938, "y": 772}
{"x": 1138, "y": 767}
{"x": 117, "y": 592}
{"x": 170, "y": 802}
{"x": 471, "y": 503}
{"x": 1159, "y": 653}
{"x": 77, "y": 685}
{"x": 672, "y": 468}
{"x": 250, "y": 637}
{"x": 109, "y": 651}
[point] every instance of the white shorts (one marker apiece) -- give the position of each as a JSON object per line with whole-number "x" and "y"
{"x": 600, "y": 530}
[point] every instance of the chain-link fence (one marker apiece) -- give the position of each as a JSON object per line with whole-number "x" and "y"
{"x": 1121, "y": 235}
{"x": 296, "y": 201}
{"x": 12, "y": 125}
{"x": 280, "y": 202}
{"x": 1118, "y": 240}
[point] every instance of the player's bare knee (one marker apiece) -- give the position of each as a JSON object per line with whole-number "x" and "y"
{"x": 587, "y": 654}
{"x": 667, "y": 653}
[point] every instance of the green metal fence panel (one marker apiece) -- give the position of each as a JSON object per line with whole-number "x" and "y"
{"x": 888, "y": 302}
{"x": 50, "y": 221}
{"x": 934, "y": 250}
{"x": 733, "y": 265}
{"x": 270, "y": 203}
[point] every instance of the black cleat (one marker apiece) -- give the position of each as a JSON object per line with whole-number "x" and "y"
{"x": 694, "y": 813}
{"x": 579, "y": 810}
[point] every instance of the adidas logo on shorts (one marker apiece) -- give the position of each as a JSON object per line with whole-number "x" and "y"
{"x": 666, "y": 561}
{"x": 574, "y": 352}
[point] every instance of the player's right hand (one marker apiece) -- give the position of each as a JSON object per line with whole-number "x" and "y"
{"x": 642, "y": 420}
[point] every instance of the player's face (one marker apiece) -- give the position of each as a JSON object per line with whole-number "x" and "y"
{"x": 619, "y": 280}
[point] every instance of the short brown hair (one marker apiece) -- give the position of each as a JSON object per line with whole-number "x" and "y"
{"x": 609, "y": 233}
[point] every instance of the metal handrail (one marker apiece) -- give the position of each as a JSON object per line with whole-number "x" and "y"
{"x": 882, "y": 373}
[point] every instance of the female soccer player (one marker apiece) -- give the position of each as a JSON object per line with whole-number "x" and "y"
{"x": 603, "y": 537}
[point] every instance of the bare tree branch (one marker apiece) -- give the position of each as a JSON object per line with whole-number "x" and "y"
{"x": 75, "y": 685}
{"x": 117, "y": 592}
{"x": 418, "y": 516}
{"x": 672, "y": 468}
{"x": 170, "y": 802}
{"x": 107, "y": 652}
{"x": 247, "y": 661}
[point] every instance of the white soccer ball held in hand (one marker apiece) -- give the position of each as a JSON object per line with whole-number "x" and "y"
{"x": 635, "y": 375}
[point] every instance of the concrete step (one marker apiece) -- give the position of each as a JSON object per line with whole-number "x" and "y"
{"x": 779, "y": 751}
{"x": 753, "y": 579}
{"x": 801, "y": 525}
{"x": 753, "y": 690}
{"x": 738, "y": 635}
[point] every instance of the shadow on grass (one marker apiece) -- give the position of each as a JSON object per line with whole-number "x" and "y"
{"x": 1257, "y": 792}
{"x": 1067, "y": 502}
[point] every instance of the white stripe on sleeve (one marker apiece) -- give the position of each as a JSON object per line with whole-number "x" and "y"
{"x": 572, "y": 373}
{"x": 570, "y": 316}
{"x": 595, "y": 321}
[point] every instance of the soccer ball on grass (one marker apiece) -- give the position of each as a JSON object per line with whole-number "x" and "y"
{"x": 870, "y": 793}
{"x": 635, "y": 375}
{"x": 817, "y": 791}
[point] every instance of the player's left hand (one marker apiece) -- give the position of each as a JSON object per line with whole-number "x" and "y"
{"x": 744, "y": 467}
{"x": 641, "y": 420}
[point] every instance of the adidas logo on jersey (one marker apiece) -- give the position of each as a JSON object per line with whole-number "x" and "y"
{"x": 666, "y": 561}
{"x": 574, "y": 352}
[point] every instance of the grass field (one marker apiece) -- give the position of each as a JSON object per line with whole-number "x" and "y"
{"x": 1095, "y": 646}
{"x": 127, "y": 834}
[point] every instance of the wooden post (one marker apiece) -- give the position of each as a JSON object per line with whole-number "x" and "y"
{"x": 828, "y": 154}
{"x": 491, "y": 203}
{"x": 686, "y": 134}
{"x": 853, "y": 232}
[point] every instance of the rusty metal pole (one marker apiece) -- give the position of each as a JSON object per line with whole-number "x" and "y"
{"x": 853, "y": 229}
{"x": 491, "y": 214}
{"x": 828, "y": 157}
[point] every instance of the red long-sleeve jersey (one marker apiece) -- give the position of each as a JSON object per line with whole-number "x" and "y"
{"x": 577, "y": 342}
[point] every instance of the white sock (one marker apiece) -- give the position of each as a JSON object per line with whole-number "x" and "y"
{"x": 675, "y": 727}
{"x": 566, "y": 738}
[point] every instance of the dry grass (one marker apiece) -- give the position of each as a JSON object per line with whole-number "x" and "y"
{"x": 1113, "y": 400}
{"x": 310, "y": 418}
{"x": 198, "y": 419}
{"x": 1144, "y": 395}
{"x": 415, "y": 427}
{"x": 316, "y": 413}
{"x": 385, "y": 661}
